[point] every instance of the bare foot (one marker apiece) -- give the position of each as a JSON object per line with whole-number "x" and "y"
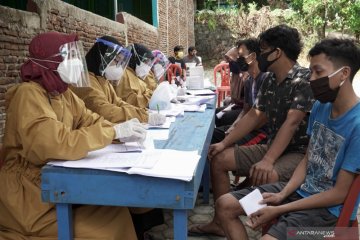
{"x": 210, "y": 228}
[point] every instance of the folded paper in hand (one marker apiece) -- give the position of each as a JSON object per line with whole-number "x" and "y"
{"x": 250, "y": 203}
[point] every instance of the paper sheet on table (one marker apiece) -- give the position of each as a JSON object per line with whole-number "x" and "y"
{"x": 118, "y": 148}
{"x": 194, "y": 108}
{"x": 158, "y": 134}
{"x": 166, "y": 125}
{"x": 201, "y": 92}
{"x": 172, "y": 164}
{"x": 250, "y": 203}
{"x": 146, "y": 159}
{"x": 198, "y": 100}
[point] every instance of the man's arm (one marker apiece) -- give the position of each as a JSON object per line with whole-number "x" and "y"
{"x": 331, "y": 197}
{"x": 245, "y": 125}
{"x": 246, "y": 108}
{"x": 261, "y": 171}
{"x": 295, "y": 181}
{"x": 334, "y": 196}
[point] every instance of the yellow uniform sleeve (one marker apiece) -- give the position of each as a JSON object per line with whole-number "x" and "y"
{"x": 133, "y": 90}
{"x": 58, "y": 127}
{"x": 150, "y": 81}
{"x": 102, "y": 99}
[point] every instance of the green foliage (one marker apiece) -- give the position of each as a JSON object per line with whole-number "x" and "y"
{"x": 338, "y": 15}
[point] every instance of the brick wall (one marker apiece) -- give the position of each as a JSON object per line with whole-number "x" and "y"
{"x": 16, "y": 30}
{"x": 139, "y": 31}
{"x": 176, "y": 24}
{"x": 18, "y": 27}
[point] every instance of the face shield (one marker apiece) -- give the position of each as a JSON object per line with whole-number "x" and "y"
{"x": 146, "y": 62}
{"x": 161, "y": 64}
{"x": 73, "y": 69}
{"x": 114, "y": 61}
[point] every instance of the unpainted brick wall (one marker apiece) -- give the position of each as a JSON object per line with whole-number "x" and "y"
{"x": 18, "y": 27}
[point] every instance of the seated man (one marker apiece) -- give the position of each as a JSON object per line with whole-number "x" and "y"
{"x": 249, "y": 51}
{"x": 132, "y": 88}
{"x": 238, "y": 76}
{"x": 250, "y": 48}
{"x": 316, "y": 191}
{"x": 191, "y": 57}
{"x": 282, "y": 103}
{"x": 178, "y": 59}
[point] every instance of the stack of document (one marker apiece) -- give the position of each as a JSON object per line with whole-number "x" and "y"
{"x": 164, "y": 163}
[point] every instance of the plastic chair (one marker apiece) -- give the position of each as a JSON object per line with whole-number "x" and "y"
{"x": 173, "y": 70}
{"x": 344, "y": 220}
{"x": 222, "y": 89}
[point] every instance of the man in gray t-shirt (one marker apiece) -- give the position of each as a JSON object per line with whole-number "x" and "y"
{"x": 191, "y": 57}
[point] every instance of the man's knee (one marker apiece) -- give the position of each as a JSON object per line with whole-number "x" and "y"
{"x": 223, "y": 161}
{"x": 227, "y": 206}
{"x": 274, "y": 177}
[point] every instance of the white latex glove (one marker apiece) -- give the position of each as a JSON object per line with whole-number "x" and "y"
{"x": 130, "y": 131}
{"x": 156, "y": 119}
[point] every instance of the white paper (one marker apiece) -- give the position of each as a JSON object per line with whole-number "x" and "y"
{"x": 146, "y": 159}
{"x": 118, "y": 148}
{"x": 250, "y": 203}
{"x": 198, "y": 100}
{"x": 201, "y": 92}
{"x": 194, "y": 108}
{"x": 220, "y": 114}
{"x": 164, "y": 163}
{"x": 158, "y": 134}
{"x": 195, "y": 82}
{"x": 172, "y": 164}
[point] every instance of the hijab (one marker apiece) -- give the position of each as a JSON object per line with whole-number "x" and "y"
{"x": 93, "y": 58}
{"x": 45, "y": 46}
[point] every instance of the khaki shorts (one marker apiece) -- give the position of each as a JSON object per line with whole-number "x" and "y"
{"x": 246, "y": 156}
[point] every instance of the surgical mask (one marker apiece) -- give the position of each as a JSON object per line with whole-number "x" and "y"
{"x": 264, "y": 64}
{"x": 234, "y": 67}
{"x": 321, "y": 88}
{"x": 243, "y": 66}
{"x": 142, "y": 70}
{"x": 180, "y": 54}
{"x": 70, "y": 70}
{"x": 113, "y": 73}
{"x": 158, "y": 71}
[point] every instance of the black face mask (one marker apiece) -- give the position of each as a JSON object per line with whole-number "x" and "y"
{"x": 234, "y": 67}
{"x": 263, "y": 62}
{"x": 322, "y": 91}
{"x": 243, "y": 66}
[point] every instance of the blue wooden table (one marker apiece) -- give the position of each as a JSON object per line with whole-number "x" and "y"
{"x": 67, "y": 186}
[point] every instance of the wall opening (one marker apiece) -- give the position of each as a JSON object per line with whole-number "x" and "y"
{"x": 19, "y": 4}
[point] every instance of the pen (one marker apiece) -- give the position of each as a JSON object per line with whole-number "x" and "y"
{"x": 157, "y": 107}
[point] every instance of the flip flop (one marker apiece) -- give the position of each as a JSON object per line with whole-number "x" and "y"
{"x": 196, "y": 231}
